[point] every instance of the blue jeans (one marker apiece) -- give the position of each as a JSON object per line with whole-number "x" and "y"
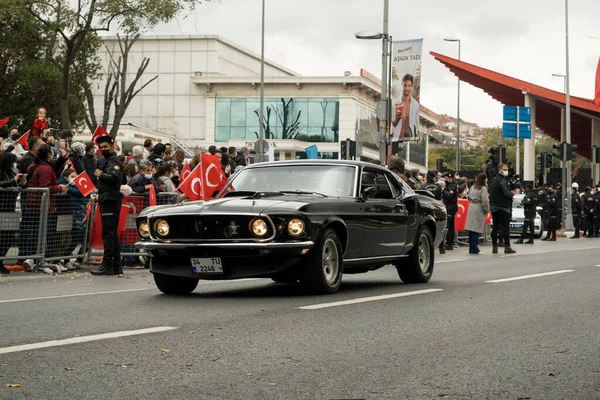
{"x": 473, "y": 242}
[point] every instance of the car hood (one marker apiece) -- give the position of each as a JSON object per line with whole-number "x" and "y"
{"x": 230, "y": 205}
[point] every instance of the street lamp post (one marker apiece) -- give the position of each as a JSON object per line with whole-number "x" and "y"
{"x": 384, "y": 117}
{"x": 457, "y": 109}
{"x": 567, "y": 219}
{"x": 261, "y": 135}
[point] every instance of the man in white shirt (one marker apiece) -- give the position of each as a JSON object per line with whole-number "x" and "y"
{"x": 406, "y": 121}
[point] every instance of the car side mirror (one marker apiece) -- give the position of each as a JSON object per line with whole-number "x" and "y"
{"x": 370, "y": 191}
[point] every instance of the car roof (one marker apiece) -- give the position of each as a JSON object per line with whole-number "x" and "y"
{"x": 350, "y": 163}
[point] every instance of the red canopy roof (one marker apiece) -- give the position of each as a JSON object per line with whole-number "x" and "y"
{"x": 509, "y": 91}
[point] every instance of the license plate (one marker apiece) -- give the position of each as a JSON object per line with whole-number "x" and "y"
{"x": 516, "y": 226}
{"x": 207, "y": 265}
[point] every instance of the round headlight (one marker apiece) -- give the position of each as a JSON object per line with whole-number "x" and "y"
{"x": 144, "y": 229}
{"x": 161, "y": 227}
{"x": 259, "y": 227}
{"x": 296, "y": 227}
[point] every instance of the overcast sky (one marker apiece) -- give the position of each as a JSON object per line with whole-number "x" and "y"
{"x": 524, "y": 39}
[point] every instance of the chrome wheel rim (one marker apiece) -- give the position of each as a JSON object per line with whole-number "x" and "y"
{"x": 330, "y": 260}
{"x": 424, "y": 253}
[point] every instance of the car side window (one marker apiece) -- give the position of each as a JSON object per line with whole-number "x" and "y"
{"x": 377, "y": 179}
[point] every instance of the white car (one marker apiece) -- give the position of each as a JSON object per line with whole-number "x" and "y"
{"x": 518, "y": 218}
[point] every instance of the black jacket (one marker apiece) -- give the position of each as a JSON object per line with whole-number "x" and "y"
{"x": 530, "y": 203}
{"x": 500, "y": 194}
{"x": 109, "y": 182}
{"x": 576, "y": 204}
{"x": 450, "y": 197}
{"x": 553, "y": 204}
{"x": 26, "y": 161}
{"x": 90, "y": 167}
{"x": 435, "y": 189}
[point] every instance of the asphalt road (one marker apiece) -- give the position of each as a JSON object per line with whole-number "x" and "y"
{"x": 473, "y": 332}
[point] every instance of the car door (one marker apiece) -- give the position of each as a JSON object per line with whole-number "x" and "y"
{"x": 384, "y": 216}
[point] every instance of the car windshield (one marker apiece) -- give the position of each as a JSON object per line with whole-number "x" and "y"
{"x": 330, "y": 180}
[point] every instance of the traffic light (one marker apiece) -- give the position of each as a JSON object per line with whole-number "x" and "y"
{"x": 548, "y": 160}
{"x": 439, "y": 164}
{"x": 497, "y": 154}
{"x": 596, "y": 153}
{"x": 348, "y": 150}
{"x": 569, "y": 150}
{"x": 559, "y": 151}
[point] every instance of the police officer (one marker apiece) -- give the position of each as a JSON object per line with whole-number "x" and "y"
{"x": 450, "y": 197}
{"x": 597, "y": 212}
{"x": 110, "y": 177}
{"x": 576, "y": 209}
{"x": 588, "y": 203}
{"x": 529, "y": 207}
{"x": 431, "y": 186}
{"x": 553, "y": 213}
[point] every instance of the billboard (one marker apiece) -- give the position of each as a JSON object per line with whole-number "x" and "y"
{"x": 406, "y": 89}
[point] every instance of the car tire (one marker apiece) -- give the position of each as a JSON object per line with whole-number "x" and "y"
{"x": 175, "y": 285}
{"x": 325, "y": 265}
{"x": 419, "y": 268}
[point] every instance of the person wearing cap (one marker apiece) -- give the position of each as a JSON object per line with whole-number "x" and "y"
{"x": 586, "y": 220}
{"x": 501, "y": 207}
{"x": 559, "y": 197}
{"x": 450, "y": 197}
{"x": 576, "y": 209}
{"x": 529, "y": 202}
{"x": 430, "y": 185}
{"x": 552, "y": 201}
{"x": 110, "y": 177}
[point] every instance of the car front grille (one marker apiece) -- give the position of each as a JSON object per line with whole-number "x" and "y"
{"x": 210, "y": 227}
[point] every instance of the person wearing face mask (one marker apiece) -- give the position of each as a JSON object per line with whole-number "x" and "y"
{"x": 9, "y": 178}
{"x": 142, "y": 182}
{"x": 164, "y": 175}
{"x": 500, "y": 206}
{"x": 90, "y": 161}
{"x": 110, "y": 177}
{"x": 552, "y": 202}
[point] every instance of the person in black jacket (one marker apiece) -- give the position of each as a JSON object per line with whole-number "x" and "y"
{"x": 529, "y": 207}
{"x": 8, "y": 201}
{"x": 90, "y": 162}
{"x": 110, "y": 177}
{"x": 500, "y": 206}
{"x": 552, "y": 201}
{"x": 576, "y": 209}
{"x": 450, "y": 197}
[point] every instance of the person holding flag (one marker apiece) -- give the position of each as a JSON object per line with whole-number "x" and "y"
{"x": 110, "y": 176}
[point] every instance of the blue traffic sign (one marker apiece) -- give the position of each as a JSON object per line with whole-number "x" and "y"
{"x": 511, "y": 112}
{"x": 509, "y": 130}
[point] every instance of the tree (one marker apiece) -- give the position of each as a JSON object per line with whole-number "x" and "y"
{"x": 117, "y": 91}
{"x": 71, "y": 28}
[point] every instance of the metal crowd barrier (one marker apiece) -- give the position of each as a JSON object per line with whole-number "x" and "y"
{"x": 129, "y": 235}
{"x": 23, "y": 225}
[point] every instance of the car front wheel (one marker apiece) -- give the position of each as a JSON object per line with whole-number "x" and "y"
{"x": 420, "y": 266}
{"x": 175, "y": 285}
{"x": 323, "y": 274}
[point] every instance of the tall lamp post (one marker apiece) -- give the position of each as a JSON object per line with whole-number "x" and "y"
{"x": 260, "y": 151}
{"x": 385, "y": 108}
{"x": 457, "y": 109}
{"x": 567, "y": 219}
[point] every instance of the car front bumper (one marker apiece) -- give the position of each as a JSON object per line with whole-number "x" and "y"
{"x": 239, "y": 260}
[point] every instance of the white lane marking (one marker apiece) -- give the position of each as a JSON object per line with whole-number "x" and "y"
{"x": 598, "y": 265}
{"x": 83, "y": 339}
{"x": 74, "y": 295}
{"x": 448, "y": 261}
{"x": 516, "y": 278}
{"x": 367, "y": 299}
{"x": 546, "y": 252}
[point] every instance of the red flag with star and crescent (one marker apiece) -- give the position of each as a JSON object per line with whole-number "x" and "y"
{"x": 98, "y": 133}
{"x": 84, "y": 184}
{"x": 152, "y": 196}
{"x": 4, "y": 121}
{"x": 214, "y": 177}
{"x": 191, "y": 186}
{"x": 23, "y": 140}
{"x": 185, "y": 171}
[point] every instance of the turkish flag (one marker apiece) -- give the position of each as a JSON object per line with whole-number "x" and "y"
{"x": 84, "y": 184}
{"x": 214, "y": 178}
{"x": 98, "y": 133}
{"x": 123, "y": 218}
{"x": 23, "y": 140}
{"x": 597, "y": 93}
{"x": 69, "y": 164}
{"x": 3, "y": 121}
{"x": 191, "y": 186}
{"x": 96, "y": 241}
{"x": 488, "y": 218}
{"x": 152, "y": 196}
{"x": 185, "y": 171}
{"x": 460, "y": 219}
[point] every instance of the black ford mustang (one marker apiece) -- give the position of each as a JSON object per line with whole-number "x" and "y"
{"x": 307, "y": 221}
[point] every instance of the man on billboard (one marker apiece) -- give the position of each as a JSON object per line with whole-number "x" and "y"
{"x": 405, "y": 123}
